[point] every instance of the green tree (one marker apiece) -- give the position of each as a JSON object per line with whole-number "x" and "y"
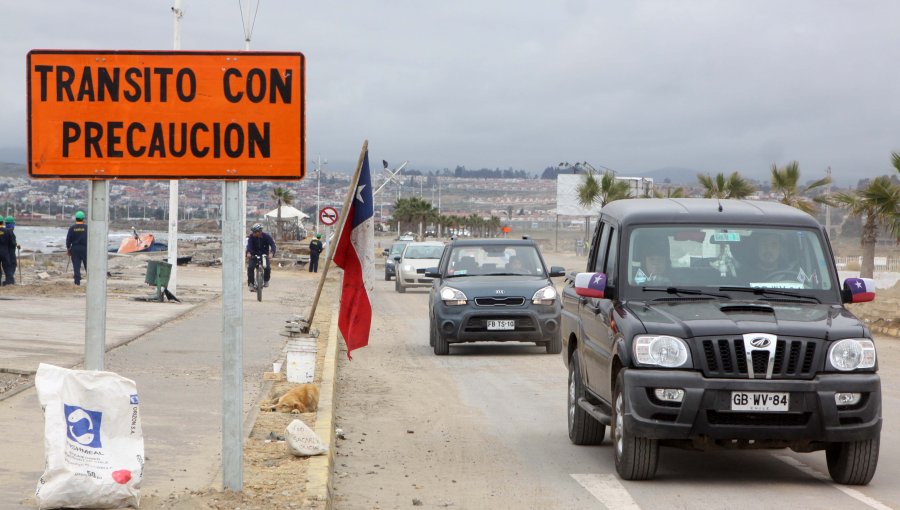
{"x": 879, "y": 202}
{"x": 413, "y": 211}
{"x": 670, "y": 193}
{"x": 600, "y": 192}
{"x": 719, "y": 186}
{"x": 895, "y": 159}
{"x": 785, "y": 181}
{"x": 281, "y": 196}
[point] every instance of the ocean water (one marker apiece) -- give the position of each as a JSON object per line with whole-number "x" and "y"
{"x": 53, "y": 239}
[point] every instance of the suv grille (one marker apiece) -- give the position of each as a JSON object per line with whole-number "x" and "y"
{"x": 726, "y": 357}
{"x": 499, "y": 301}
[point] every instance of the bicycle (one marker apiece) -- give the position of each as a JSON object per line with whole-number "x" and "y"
{"x": 260, "y": 262}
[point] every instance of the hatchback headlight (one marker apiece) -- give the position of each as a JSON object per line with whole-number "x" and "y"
{"x": 453, "y": 297}
{"x": 545, "y": 296}
{"x": 408, "y": 267}
{"x": 852, "y": 353}
{"x": 661, "y": 350}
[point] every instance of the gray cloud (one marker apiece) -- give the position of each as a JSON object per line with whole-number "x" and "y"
{"x": 635, "y": 86}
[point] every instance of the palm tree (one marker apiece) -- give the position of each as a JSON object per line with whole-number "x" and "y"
{"x": 734, "y": 186}
{"x": 879, "y": 202}
{"x": 606, "y": 190}
{"x": 281, "y": 196}
{"x": 670, "y": 193}
{"x": 412, "y": 210}
{"x": 895, "y": 159}
{"x": 784, "y": 181}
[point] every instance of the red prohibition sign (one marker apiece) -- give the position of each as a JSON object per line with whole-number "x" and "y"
{"x": 328, "y": 215}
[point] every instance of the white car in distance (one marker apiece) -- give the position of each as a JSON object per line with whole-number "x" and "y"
{"x": 415, "y": 257}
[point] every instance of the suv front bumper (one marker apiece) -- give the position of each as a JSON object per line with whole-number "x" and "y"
{"x": 705, "y": 411}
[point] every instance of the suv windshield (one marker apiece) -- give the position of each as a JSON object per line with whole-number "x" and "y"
{"x": 721, "y": 256}
{"x": 496, "y": 259}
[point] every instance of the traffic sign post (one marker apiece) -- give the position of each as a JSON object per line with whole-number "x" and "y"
{"x": 328, "y": 216}
{"x": 231, "y": 116}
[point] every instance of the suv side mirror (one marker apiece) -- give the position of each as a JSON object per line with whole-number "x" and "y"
{"x": 432, "y": 272}
{"x": 557, "y": 271}
{"x": 858, "y": 290}
{"x": 591, "y": 285}
{"x": 386, "y": 252}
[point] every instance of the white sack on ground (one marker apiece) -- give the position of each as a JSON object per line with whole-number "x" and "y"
{"x": 93, "y": 443}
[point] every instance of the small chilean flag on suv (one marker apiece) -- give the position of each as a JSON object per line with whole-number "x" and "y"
{"x": 590, "y": 284}
{"x": 861, "y": 289}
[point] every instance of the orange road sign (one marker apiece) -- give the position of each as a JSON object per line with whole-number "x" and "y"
{"x": 166, "y": 114}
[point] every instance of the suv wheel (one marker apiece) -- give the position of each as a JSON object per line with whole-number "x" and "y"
{"x": 432, "y": 331}
{"x": 636, "y": 457}
{"x": 554, "y": 346}
{"x": 583, "y": 428}
{"x": 387, "y": 277}
{"x": 853, "y": 463}
{"x": 441, "y": 347}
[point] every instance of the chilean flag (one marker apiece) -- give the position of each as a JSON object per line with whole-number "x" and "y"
{"x": 861, "y": 289}
{"x": 355, "y": 254}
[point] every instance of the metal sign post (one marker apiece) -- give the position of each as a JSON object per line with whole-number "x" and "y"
{"x": 232, "y": 337}
{"x": 95, "y": 314}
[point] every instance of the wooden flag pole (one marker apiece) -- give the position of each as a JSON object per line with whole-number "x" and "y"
{"x": 339, "y": 232}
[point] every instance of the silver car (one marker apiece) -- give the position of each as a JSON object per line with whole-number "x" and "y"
{"x": 411, "y": 264}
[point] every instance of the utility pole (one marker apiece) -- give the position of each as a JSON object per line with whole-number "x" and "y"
{"x": 319, "y": 164}
{"x": 828, "y": 207}
{"x": 178, "y": 13}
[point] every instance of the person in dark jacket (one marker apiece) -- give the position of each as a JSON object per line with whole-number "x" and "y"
{"x": 10, "y": 224}
{"x": 5, "y": 241}
{"x": 259, "y": 243}
{"x": 76, "y": 245}
{"x": 315, "y": 249}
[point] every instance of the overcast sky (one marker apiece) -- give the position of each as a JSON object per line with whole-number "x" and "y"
{"x": 714, "y": 86}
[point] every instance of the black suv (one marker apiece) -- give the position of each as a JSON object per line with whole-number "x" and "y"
{"x": 495, "y": 290}
{"x": 709, "y": 324}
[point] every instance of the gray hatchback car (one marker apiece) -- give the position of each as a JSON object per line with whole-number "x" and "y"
{"x": 494, "y": 290}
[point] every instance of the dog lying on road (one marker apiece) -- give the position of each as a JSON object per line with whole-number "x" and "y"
{"x": 303, "y": 398}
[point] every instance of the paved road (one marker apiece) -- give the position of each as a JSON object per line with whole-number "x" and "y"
{"x": 486, "y": 428}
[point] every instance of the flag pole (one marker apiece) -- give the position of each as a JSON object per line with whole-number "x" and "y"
{"x": 339, "y": 232}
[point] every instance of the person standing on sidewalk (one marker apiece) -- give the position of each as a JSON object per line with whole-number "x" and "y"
{"x": 76, "y": 245}
{"x": 5, "y": 236}
{"x": 10, "y": 224}
{"x": 315, "y": 249}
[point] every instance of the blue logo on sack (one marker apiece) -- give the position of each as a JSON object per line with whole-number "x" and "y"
{"x": 134, "y": 399}
{"x": 83, "y": 426}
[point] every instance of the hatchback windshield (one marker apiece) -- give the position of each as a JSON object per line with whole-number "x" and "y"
{"x": 495, "y": 259}
{"x": 423, "y": 252}
{"x": 717, "y": 256}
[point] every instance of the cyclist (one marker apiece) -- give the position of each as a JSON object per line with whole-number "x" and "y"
{"x": 259, "y": 243}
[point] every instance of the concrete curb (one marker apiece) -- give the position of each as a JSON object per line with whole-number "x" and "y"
{"x": 318, "y": 485}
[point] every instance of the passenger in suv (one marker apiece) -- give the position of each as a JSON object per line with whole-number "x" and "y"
{"x": 743, "y": 345}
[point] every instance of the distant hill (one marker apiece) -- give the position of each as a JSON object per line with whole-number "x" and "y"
{"x": 13, "y": 170}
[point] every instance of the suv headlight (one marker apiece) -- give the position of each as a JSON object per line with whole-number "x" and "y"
{"x": 453, "y": 297}
{"x": 661, "y": 350}
{"x": 545, "y": 296}
{"x": 852, "y": 353}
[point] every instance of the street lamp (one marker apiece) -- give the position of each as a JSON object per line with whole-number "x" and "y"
{"x": 318, "y": 161}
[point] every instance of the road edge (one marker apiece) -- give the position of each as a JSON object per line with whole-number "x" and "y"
{"x": 319, "y": 482}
